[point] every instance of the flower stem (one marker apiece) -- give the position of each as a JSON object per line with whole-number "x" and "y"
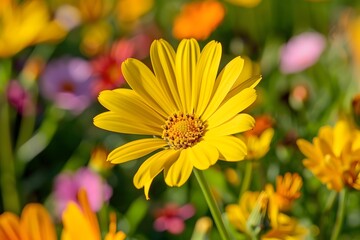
{"x": 8, "y": 187}
{"x": 247, "y": 177}
{"x": 340, "y": 215}
{"x": 214, "y": 209}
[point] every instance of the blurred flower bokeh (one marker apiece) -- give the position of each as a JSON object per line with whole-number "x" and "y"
{"x": 242, "y": 115}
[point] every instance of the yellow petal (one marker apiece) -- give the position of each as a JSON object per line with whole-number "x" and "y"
{"x": 307, "y": 149}
{"x": 135, "y": 149}
{"x": 342, "y": 135}
{"x": 230, "y": 148}
{"x": 163, "y": 62}
{"x": 232, "y": 107}
{"x": 36, "y": 223}
{"x": 10, "y": 227}
{"x": 249, "y": 70}
{"x": 76, "y": 225}
{"x": 203, "y": 155}
{"x": 223, "y": 84}
{"x": 206, "y": 72}
{"x": 144, "y": 83}
{"x": 240, "y": 123}
{"x": 116, "y": 122}
{"x": 128, "y": 103}
{"x": 152, "y": 167}
{"x": 187, "y": 55}
{"x": 249, "y": 83}
{"x": 88, "y": 213}
{"x": 179, "y": 172}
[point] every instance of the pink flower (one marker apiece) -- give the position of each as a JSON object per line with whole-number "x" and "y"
{"x": 171, "y": 218}
{"x": 67, "y": 186}
{"x": 19, "y": 98}
{"x": 301, "y": 52}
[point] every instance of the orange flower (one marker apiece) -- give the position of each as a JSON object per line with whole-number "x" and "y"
{"x": 35, "y": 223}
{"x": 198, "y": 20}
{"x": 261, "y": 124}
{"x": 287, "y": 190}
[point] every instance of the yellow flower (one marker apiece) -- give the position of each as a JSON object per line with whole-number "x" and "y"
{"x": 251, "y": 204}
{"x": 94, "y": 10}
{"x": 259, "y": 138}
{"x": 98, "y": 159}
{"x": 80, "y": 222}
{"x": 128, "y": 11}
{"x": 26, "y": 24}
{"x": 189, "y": 112}
{"x": 198, "y": 19}
{"x": 245, "y": 3}
{"x": 287, "y": 228}
{"x": 257, "y": 216}
{"x": 35, "y": 223}
{"x": 334, "y": 156}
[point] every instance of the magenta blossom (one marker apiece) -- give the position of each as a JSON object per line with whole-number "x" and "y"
{"x": 171, "y": 218}
{"x": 301, "y": 52}
{"x": 68, "y": 184}
{"x": 67, "y": 82}
{"x": 19, "y": 98}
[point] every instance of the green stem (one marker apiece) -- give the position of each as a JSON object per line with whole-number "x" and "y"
{"x": 27, "y": 123}
{"x": 330, "y": 201}
{"x": 8, "y": 187}
{"x": 247, "y": 177}
{"x": 214, "y": 209}
{"x": 41, "y": 139}
{"x": 340, "y": 215}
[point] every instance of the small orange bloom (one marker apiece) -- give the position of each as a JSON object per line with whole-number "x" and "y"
{"x": 259, "y": 138}
{"x": 287, "y": 190}
{"x": 198, "y": 20}
{"x": 261, "y": 124}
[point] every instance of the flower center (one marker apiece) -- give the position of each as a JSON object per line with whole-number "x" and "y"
{"x": 183, "y": 130}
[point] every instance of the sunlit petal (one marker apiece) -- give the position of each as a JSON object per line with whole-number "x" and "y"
{"x": 135, "y": 149}
{"x": 230, "y": 148}
{"x": 113, "y": 121}
{"x": 240, "y": 123}
{"x": 179, "y": 172}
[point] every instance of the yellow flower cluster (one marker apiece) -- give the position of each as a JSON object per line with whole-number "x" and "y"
{"x": 262, "y": 213}
{"x": 26, "y": 24}
{"x": 334, "y": 156}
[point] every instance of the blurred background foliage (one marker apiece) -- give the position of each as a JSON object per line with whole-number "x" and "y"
{"x": 42, "y": 138}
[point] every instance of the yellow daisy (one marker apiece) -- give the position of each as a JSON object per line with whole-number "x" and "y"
{"x": 189, "y": 112}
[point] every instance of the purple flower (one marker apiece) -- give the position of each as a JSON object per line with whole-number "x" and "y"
{"x": 301, "y": 52}
{"x": 68, "y": 184}
{"x": 67, "y": 82}
{"x": 171, "y": 218}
